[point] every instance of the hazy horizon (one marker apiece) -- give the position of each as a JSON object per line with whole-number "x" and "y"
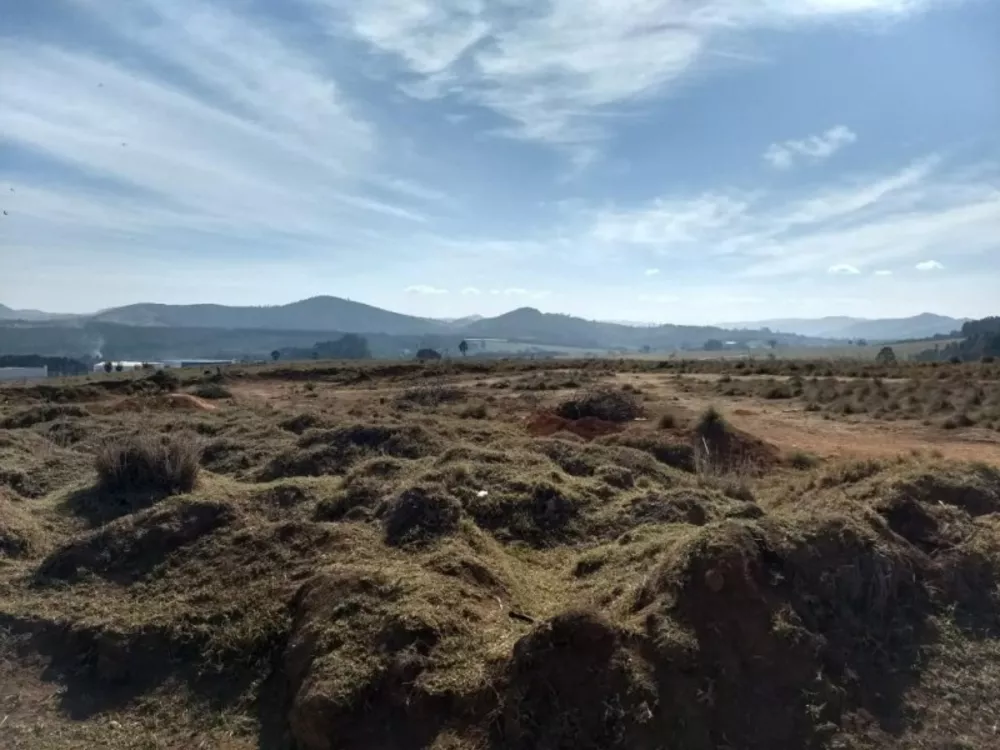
{"x": 652, "y": 161}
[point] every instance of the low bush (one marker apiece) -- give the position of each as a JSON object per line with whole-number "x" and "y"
{"x": 212, "y": 391}
{"x": 609, "y": 404}
{"x": 146, "y": 463}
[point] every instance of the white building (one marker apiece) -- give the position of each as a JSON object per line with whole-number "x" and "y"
{"x": 9, "y": 374}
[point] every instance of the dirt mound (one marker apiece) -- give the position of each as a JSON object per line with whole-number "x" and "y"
{"x": 387, "y": 656}
{"x": 688, "y": 506}
{"x": 299, "y": 423}
{"x": 575, "y": 682}
{"x": 721, "y": 448}
{"x": 418, "y": 515}
{"x": 603, "y": 403}
{"x": 335, "y": 451}
{"x": 280, "y": 501}
{"x": 131, "y": 548}
{"x": 34, "y": 415}
{"x": 20, "y": 534}
{"x": 801, "y": 623}
{"x": 546, "y": 424}
{"x": 163, "y": 402}
{"x": 541, "y": 514}
{"x": 678, "y": 455}
{"x": 31, "y": 466}
{"x": 975, "y": 489}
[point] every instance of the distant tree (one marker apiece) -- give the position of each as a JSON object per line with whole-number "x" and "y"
{"x": 428, "y": 354}
{"x": 275, "y": 355}
{"x": 315, "y": 355}
{"x": 464, "y": 347}
{"x": 773, "y": 343}
{"x": 119, "y": 367}
{"x": 646, "y": 349}
{"x": 348, "y": 346}
{"x": 713, "y": 345}
{"x": 886, "y": 356}
{"x": 862, "y": 342}
{"x": 109, "y": 366}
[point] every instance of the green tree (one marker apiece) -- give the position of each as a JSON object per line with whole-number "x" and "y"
{"x": 464, "y": 347}
{"x": 348, "y": 346}
{"x": 713, "y": 345}
{"x": 275, "y": 355}
{"x": 108, "y": 366}
{"x": 886, "y": 356}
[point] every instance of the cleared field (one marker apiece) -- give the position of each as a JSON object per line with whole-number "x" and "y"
{"x": 499, "y": 555}
{"x": 903, "y": 351}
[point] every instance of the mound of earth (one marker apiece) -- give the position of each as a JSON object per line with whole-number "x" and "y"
{"x": 20, "y": 534}
{"x": 546, "y": 424}
{"x": 345, "y": 574}
{"x": 178, "y": 401}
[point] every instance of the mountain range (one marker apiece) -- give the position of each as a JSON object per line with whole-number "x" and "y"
{"x": 209, "y": 329}
{"x": 925, "y": 325}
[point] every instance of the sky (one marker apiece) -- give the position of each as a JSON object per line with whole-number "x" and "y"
{"x": 650, "y": 160}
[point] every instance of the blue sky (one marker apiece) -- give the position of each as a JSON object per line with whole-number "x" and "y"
{"x": 662, "y": 160}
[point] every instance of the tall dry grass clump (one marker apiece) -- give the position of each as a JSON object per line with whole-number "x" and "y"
{"x": 147, "y": 463}
{"x": 603, "y": 402}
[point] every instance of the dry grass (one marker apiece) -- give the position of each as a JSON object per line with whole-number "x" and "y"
{"x": 393, "y": 559}
{"x": 602, "y": 402}
{"x": 145, "y": 463}
{"x": 951, "y": 400}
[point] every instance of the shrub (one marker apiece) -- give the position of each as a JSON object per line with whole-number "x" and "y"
{"x": 802, "y": 460}
{"x": 165, "y": 380}
{"x": 146, "y": 463}
{"x": 668, "y": 421}
{"x": 609, "y": 404}
{"x": 212, "y": 391}
{"x": 430, "y": 396}
{"x": 475, "y": 411}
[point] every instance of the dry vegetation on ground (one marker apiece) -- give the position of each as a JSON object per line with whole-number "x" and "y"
{"x": 461, "y": 556}
{"x": 950, "y": 400}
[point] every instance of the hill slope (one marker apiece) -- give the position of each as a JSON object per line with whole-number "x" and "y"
{"x": 924, "y": 325}
{"x": 314, "y": 314}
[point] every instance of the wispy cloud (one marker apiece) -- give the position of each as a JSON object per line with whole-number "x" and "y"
{"x": 554, "y": 69}
{"x": 812, "y": 149}
{"x": 843, "y": 269}
{"x": 652, "y": 271}
{"x": 659, "y": 298}
{"x": 471, "y": 291}
{"x": 929, "y": 265}
{"x": 202, "y": 120}
{"x": 883, "y": 272}
{"x": 921, "y": 209}
{"x": 425, "y": 289}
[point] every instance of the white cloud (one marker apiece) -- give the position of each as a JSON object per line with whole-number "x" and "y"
{"x": 554, "y": 69}
{"x": 883, "y": 272}
{"x": 814, "y": 148}
{"x": 425, "y": 289}
{"x": 471, "y": 291}
{"x": 211, "y": 129}
{"x": 843, "y": 269}
{"x": 929, "y": 265}
{"x": 923, "y": 209}
{"x": 652, "y": 271}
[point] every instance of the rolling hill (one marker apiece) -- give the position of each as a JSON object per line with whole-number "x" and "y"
{"x": 314, "y": 314}
{"x": 925, "y": 325}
